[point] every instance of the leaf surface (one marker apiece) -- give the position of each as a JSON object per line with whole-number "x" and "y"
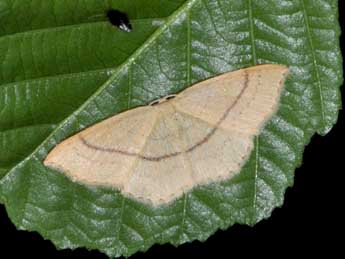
{"x": 200, "y": 39}
{"x": 50, "y": 66}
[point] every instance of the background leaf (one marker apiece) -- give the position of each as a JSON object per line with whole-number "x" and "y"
{"x": 197, "y": 40}
{"x": 54, "y": 56}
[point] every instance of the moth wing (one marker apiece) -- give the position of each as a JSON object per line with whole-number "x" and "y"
{"x": 178, "y": 156}
{"x": 250, "y": 95}
{"x": 156, "y": 153}
{"x": 91, "y": 156}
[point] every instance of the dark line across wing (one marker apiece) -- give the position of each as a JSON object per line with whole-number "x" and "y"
{"x": 174, "y": 154}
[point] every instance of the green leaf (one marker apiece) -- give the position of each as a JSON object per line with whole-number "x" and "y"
{"x": 201, "y": 38}
{"x": 50, "y": 66}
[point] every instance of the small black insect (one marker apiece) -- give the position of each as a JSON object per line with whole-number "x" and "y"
{"x": 119, "y": 19}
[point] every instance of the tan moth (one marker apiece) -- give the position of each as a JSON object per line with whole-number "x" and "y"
{"x": 156, "y": 153}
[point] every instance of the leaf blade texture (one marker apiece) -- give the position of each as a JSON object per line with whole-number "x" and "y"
{"x": 195, "y": 40}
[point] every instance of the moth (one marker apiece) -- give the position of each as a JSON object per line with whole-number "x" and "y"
{"x": 155, "y": 153}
